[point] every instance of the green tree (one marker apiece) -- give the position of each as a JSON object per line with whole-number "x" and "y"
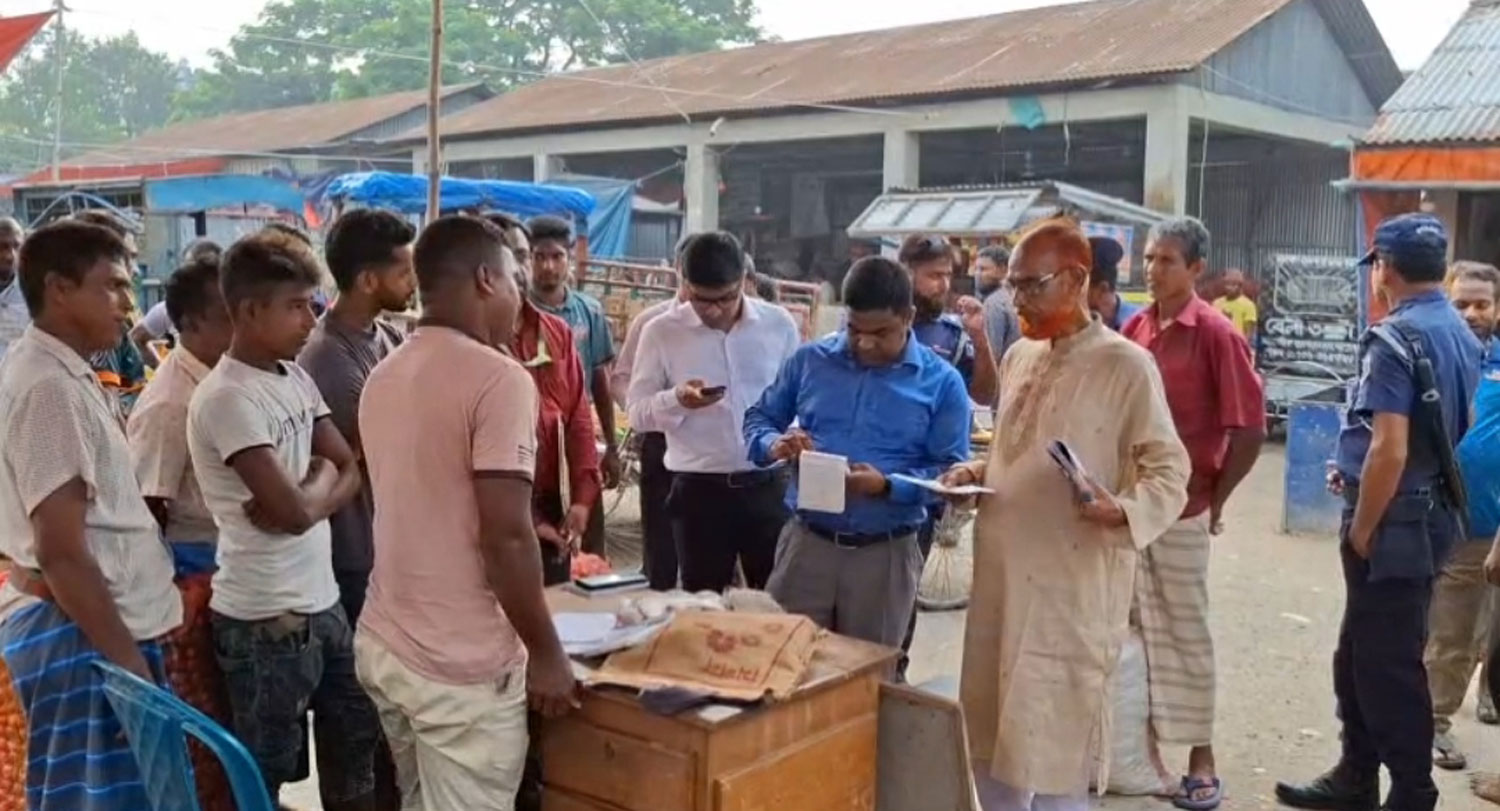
{"x": 303, "y": 51}
{"x": 113, "y": 89}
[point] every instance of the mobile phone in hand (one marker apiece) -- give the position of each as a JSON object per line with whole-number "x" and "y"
{"x": 713, "y": 391}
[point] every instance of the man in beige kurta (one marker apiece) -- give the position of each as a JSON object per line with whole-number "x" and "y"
{"x": 1053, "y": 573}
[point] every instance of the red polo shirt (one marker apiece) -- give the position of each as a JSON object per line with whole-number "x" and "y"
{"x": 1211, "y": 382}
{"x": 565, "y": 415}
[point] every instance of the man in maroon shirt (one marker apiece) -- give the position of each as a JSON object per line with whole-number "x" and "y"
{"x": 1218, "y": 404}
{"x": 565, "y": 423}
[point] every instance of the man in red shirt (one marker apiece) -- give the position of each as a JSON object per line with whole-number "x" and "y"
{"x": 1218, "y": 404}
{"x": 544, "y": 344}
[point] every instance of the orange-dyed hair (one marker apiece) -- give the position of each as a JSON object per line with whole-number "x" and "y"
{"x": 1062, "y": 235}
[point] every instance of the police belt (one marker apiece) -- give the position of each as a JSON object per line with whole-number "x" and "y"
{"x": 1434, "y": 493}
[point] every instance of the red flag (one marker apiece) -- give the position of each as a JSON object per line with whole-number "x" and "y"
{"x": 15, "y": 32}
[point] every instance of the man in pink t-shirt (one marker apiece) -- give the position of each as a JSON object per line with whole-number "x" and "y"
{"x": 455, "y": 631}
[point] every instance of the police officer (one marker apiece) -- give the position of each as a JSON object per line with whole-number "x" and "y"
{"x": 959, "y": 339}
{"x": 1419, "y": 369}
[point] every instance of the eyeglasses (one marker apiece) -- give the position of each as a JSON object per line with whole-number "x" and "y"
{"x": 1031, "y": 287}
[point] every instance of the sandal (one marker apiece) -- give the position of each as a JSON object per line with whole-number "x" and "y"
{"x": 1193, "y": 785}
{"x": 1446, "y": 754}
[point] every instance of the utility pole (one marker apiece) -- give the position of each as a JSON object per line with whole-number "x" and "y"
{"x": 59, "y": 58}
{"x": 434, "y": 104}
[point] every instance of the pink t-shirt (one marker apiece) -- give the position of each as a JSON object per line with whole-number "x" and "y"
{"x": 435, "y": 412}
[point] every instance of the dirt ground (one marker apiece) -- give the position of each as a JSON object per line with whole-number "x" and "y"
{"x": 1276, "y": 605}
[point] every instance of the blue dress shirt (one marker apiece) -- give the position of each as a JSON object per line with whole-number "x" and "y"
{"x": 912, "y": 417}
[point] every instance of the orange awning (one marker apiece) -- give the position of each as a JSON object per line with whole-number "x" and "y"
{"x": 1428, "y": 164}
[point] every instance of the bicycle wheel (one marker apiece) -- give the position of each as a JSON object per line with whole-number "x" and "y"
{"x": 948, "y": 577}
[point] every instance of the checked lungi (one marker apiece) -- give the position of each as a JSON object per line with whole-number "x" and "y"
{"x": 78, "y": 756}
{"x": 1171, "y": 595}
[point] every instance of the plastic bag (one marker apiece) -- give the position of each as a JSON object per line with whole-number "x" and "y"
{"x": 1134, "y": 763}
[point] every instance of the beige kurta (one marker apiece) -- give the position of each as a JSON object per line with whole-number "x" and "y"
{"x": 1052, "y": 592}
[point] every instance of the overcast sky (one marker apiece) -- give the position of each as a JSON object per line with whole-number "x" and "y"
{"x": 188, "y": 28}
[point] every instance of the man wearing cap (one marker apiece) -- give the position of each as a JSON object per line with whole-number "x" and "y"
{"x": 1398, "y": 525}
{"x": 1104, "y": 281}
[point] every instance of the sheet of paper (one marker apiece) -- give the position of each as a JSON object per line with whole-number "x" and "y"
{"x": 582, "y": 628}
{"x": 596, "y": 634}
{"x": 943, "y": 489}
{"x": 820, "y": 482}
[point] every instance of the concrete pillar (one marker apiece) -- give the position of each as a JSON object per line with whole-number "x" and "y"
{"x": 700, "y": 186}
{"x": 901, "y": 167}
{"x": 1166, "y": 158}
{"x": 544, "y": 167}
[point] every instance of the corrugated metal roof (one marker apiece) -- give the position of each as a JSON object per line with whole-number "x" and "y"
{"x": 1055, "y": 46}
{"x": 300, "y": 127}
{"x": 1455, "y": 97}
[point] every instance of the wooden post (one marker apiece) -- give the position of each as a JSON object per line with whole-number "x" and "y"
{"x": 434, "y": 105}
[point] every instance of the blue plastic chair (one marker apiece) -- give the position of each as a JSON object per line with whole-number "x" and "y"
{"x": 157, "y": 723}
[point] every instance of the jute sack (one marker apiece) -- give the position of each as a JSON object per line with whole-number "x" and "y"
{"x": 735, "y": 656}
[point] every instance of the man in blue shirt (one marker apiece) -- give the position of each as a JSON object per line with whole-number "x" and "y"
{"x": 1398, "y": 525}
{"x": 1104, "y": 281}
{"x": 550, "y": 267}
{"x": 1460, "y": 611}
{"x": 874, "y": 394}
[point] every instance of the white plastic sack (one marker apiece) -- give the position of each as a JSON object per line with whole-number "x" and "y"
{"x": 1134, "y": 765}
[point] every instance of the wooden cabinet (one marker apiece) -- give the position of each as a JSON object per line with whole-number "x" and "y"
{"x": 815, "y": 751}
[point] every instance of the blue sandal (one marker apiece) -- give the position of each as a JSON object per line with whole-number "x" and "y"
{"x": 1192, "y": 785}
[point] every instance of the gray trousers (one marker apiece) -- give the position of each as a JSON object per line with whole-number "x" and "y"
{"x": 867, "y": 593}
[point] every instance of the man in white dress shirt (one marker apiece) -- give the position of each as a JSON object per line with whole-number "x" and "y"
{"x": 658, "y": 549}
{"x": 14, "y": 317}
{"x": 698, "y": 368}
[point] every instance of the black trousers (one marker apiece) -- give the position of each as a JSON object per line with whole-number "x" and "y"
{"x": 925, "y": 537}
{"x": 718, "y": 520}
{"x": 658, "y": 547}
{"x": 1492, "y": 664}
{"x": 1381, "y": 683}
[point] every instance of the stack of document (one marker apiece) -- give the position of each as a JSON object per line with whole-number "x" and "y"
{"x": 1072, "y": 468}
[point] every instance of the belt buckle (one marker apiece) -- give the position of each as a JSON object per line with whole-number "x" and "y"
{"x": 838, "y": 542}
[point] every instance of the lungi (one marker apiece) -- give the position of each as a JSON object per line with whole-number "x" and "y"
{"x": 1171, "y": 597}
{"x": 79, "y": 759}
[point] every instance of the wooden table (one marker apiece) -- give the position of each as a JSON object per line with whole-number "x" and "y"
{"x": 815, "y": 751}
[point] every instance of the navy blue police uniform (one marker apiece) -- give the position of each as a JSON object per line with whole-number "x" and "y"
{"x": 1379, "y": 677}
{"x": 944, "y": 335}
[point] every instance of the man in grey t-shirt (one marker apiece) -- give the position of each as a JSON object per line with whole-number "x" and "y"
{"x": 1001, "y": 323}
{"x": 369, "y": 253}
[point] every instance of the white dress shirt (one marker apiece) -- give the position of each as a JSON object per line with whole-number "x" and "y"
{"x": 677, "y": 347}
{"x": 619, "y": 374}
{"x": 14, "y": 317}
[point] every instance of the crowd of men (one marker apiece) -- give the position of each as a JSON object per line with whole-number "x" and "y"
{"x": 390, "y": 580}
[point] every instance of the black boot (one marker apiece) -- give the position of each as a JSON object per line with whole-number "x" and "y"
{"x": 1342, "y": 789}
{"x": 1420, "y": 799}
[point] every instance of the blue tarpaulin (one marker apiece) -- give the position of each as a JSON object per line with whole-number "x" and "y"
{"x": 609, "y": 224}
{"x": 207, "y": 192}
{"x": 408, "y": 194}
